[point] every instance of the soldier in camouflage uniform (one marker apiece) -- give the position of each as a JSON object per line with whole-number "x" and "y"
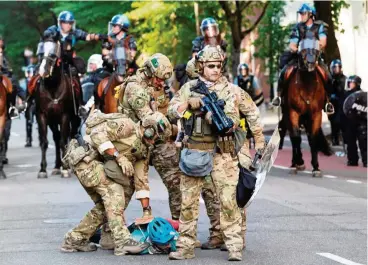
{"x": 141, "y": 95}
{"x": 108, "y": 197}
{"x": 224, "y": 173}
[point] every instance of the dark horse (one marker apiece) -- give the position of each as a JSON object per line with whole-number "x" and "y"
{"x": 56, "y": 106}
{"x": 304, "y": 102}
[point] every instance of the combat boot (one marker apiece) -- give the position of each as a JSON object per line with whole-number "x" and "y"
{"x": 106, "y": 241}
{"x": 130, "y": 247}
{"x": 197, "y": 244}
{"x": 181, "y": 255}
{"x": 213, "y": 242}
{"x": 235, "y": 256}
{"x": 85, "y": 246}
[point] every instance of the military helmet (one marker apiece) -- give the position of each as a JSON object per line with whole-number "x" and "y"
{"x": 121, "y": 20}
{"x": 354, "y": 79}
{"x": 156, "y": 124}
{"x": 210, "y": 54}
{"x": 159, "y": 65}
{"x": 191, "y": 69}
{"x": 209, "y": 27}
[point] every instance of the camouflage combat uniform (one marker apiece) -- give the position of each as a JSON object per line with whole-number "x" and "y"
{"x": 139, "y": 100}
{"x": 108, "y": 197}
{"x": 224, "y": 173}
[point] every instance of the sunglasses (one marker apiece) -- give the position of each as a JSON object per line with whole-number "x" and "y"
{"x": 212, "y": 66}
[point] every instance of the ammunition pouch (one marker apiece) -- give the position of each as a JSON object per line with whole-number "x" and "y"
{"x": 226, "y": 144}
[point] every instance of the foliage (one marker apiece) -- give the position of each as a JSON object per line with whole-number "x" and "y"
{"x": 336, "y": 7}
{"x": 272, "y": 38}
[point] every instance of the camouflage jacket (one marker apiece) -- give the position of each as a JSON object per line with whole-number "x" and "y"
{"x": 116, "y": 130}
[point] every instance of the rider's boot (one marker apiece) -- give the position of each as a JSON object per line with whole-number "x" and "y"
{"x": 277, "y": 100}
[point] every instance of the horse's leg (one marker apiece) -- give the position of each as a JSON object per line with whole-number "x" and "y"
{"x": 65, "y": 135}
{"x": 42, "y": 130}
{"x": 2, "y": 147}
{"x": 314, "y": 142}
{"x": 6, "y": 138}
{"x": 75, "y": 123}
{"x": 56, "y": 136}
{"x": 296, "y": 140}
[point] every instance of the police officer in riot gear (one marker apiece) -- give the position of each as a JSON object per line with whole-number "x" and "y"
{"x": 307, "y": 25}
{"x": 249, "y": 83}
{"x": 210, "y": 36}
{"x": 355, "y": 123}
{"x": 337, "y": 96}
{"x": 122, "y": 45}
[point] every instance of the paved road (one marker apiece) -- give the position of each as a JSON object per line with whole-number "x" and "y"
{"x": 296, "y": 219}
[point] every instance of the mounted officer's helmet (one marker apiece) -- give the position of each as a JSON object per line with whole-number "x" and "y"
{"x": 354, "y": 79}
{"x": 95, "y": 59}
{"x": 158, "y": 125}
{"x": 66, "y": 17}
{"x": 335, "y": 63}
{"x": 307, "y": 8}
{"x": 241, "y": 67}
{"x": 209, "y": 27}
{"x": 158, "y": 65}
{"x": 162, "y": 234}
{"x": 119, "y": 20}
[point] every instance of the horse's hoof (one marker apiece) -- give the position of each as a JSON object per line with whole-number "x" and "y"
{"x": 5, "y": 161}
{"x": 293, "y": 171}
{"x": 316, "y": 174}
{"x": 56, "y": 171}
{"x": 65, "y": 173}
{"x": 300, "y": 167}
{"x": 42, "y": 175}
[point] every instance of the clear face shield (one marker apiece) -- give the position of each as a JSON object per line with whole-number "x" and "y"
{"x": 303, "y": 17}
{"x": 210, "y": 31}
{"x": 113, "y": 29}
{"x": 67, "y": 26}
{"x": 336, "y": 69}
{"x": 309, "y": 50}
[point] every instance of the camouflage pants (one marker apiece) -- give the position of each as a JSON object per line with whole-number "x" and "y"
{"x": 109, "y": 200}
{"x": 225, "y": 177}
{"x": 166, "y": 163}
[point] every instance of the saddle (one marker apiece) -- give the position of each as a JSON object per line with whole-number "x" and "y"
{"x": 7, "y": 84}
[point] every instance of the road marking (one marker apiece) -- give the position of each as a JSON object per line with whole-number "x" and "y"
{"x": 354, "y": 181}
{"x": 329, "y": 177}
{"x": 280, "y": 167}
{"x": 338, "y": 259}
{"x": 24, "y": 165}
{"x": 15, "y": 173}
{"x": 15, "y": 134}
{"x": 201, "y": 200}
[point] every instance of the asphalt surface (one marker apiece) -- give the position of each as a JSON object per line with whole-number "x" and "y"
{"x": 295, "y": 219}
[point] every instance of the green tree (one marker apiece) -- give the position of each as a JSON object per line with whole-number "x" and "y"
{"x": 272, "y": 39}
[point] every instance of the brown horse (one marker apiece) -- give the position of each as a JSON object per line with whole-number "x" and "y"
{"x": 5, "y": 88}
{"x": 105, "y": 94}
{"x": 305, "y": 97}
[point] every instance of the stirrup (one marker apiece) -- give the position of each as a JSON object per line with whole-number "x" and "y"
{"x": 332, "y": 109}
{"x": 276, "y": 102}
{"x": 13, "y": 113}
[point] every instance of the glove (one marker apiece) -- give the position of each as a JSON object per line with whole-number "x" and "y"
{"x": 260, "y": 147}
{"x": 244, "y": 161}
{"x": 126, "y": 166}
{"x": 195, "y": 103}
{"x": 102, "y": 37}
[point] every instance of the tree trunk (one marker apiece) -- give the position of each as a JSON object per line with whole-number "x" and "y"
{"x": 323, "y": 9}
{"x": 235, "y": 61}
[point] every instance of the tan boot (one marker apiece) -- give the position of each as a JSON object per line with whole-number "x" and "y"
{"x": 214, "y": 242}
{"x": 106, "y": 241}
{"x": 146, "y": 218}
{"x": 85, "y": 246}
{"x": 235, "y": 256}
{"x": 130, "y": 247}
{"x": 181, "y": 254}
{"x": 197, "y": 244}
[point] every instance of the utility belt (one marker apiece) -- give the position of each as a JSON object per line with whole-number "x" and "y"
{"x": 223, "y": 145}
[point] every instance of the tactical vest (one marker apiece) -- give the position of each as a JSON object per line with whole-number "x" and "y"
{"x": 247, "y": 84}
{"x": 304, "y": 30}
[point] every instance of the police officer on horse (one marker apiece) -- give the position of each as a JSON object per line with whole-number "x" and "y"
{"x": 308, "y": 26}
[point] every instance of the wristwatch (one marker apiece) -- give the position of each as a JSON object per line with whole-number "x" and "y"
{"x": 116, "y": 154}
